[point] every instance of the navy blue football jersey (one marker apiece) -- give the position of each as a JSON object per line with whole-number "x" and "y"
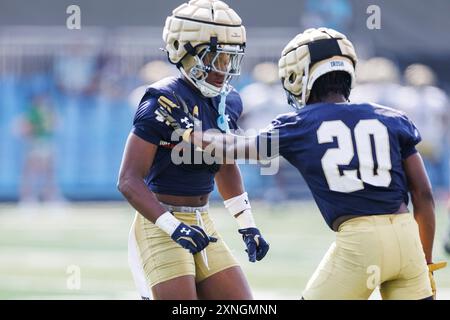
{"x": 350, "y": 155}
{"x": 184, "y": 179}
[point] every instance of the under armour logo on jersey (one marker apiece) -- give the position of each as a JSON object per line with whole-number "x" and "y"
{"x": 184, "y": 230}
{"x": 186, "y": 121}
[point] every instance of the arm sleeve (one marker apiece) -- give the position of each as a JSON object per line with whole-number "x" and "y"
{"x": 147, "y": 125}
{"x": 409, "y": 137}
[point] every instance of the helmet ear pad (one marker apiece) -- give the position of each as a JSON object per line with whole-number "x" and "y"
{"x": 189, "y": 61}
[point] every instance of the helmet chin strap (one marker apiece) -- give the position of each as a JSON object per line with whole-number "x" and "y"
{"x": 222, "y": 121}
{"x": 293, "y": 101}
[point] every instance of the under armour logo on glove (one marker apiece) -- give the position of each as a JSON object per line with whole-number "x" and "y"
{"x": 186, "y": 121}
{"x": 192, "y": 238}
{"x": 257, "y": 247}
{"x": 184, "y": 230}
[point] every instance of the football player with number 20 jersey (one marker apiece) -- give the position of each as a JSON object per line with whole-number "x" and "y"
{"x": 360, "y": 163}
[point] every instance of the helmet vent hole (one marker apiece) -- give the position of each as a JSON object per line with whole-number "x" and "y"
{"x": 176, "y": 44}
{"x": 292, "y": 77}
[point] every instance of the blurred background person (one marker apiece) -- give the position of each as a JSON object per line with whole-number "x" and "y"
{"x": 37, "y": 128}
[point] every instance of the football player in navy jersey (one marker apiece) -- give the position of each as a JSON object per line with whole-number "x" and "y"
{"x": 360, "y": 163}
{"x": 174, "y": 250}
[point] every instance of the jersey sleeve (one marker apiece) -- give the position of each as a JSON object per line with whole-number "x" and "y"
{"x": 409, "y": 137}
{"x": 146, "y": 124}
{"x": 275, "y": 139}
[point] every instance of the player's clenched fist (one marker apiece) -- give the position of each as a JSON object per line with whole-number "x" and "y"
{"x": 257, "y": 247}
{"x": 192, "y": 238}
{"x": 239, "y": 207}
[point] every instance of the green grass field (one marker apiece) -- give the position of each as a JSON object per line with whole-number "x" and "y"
{"x": 38, "y": 246}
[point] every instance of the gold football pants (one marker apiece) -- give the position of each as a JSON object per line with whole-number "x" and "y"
{"x": 154, "y": 257}
{"x": 372, "y": 251}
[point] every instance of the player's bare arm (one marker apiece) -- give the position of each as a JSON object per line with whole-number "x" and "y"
{"x": 229, "y": 181}
{"x": 423, "y": 202}
{"x": 137, "y": 160}
{"x": 225, "y": 146}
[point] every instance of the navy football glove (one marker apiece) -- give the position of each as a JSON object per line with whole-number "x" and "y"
{"x": 257, "y": 247}
{"x": 177, "y": 115}
{"x": 192, "y": 238}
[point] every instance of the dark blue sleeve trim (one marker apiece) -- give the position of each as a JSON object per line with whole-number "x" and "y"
{"x": 141, "y": 133}
{"x": 407, "y": 153}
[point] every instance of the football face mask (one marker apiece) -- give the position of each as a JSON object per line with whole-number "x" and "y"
{"x": 215, "y": 68}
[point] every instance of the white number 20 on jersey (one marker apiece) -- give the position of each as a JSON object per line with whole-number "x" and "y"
{"x": 343, "y": 154}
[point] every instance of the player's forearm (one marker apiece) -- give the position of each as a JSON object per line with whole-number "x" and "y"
{"x": 226, "y": 147}
{"x": 229, "y": 181}
{"x": 424, "y": 214}
{"x": 422, "y": 198}
{"x": 216, "y": 144}
{"x": 140, "y": 197}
